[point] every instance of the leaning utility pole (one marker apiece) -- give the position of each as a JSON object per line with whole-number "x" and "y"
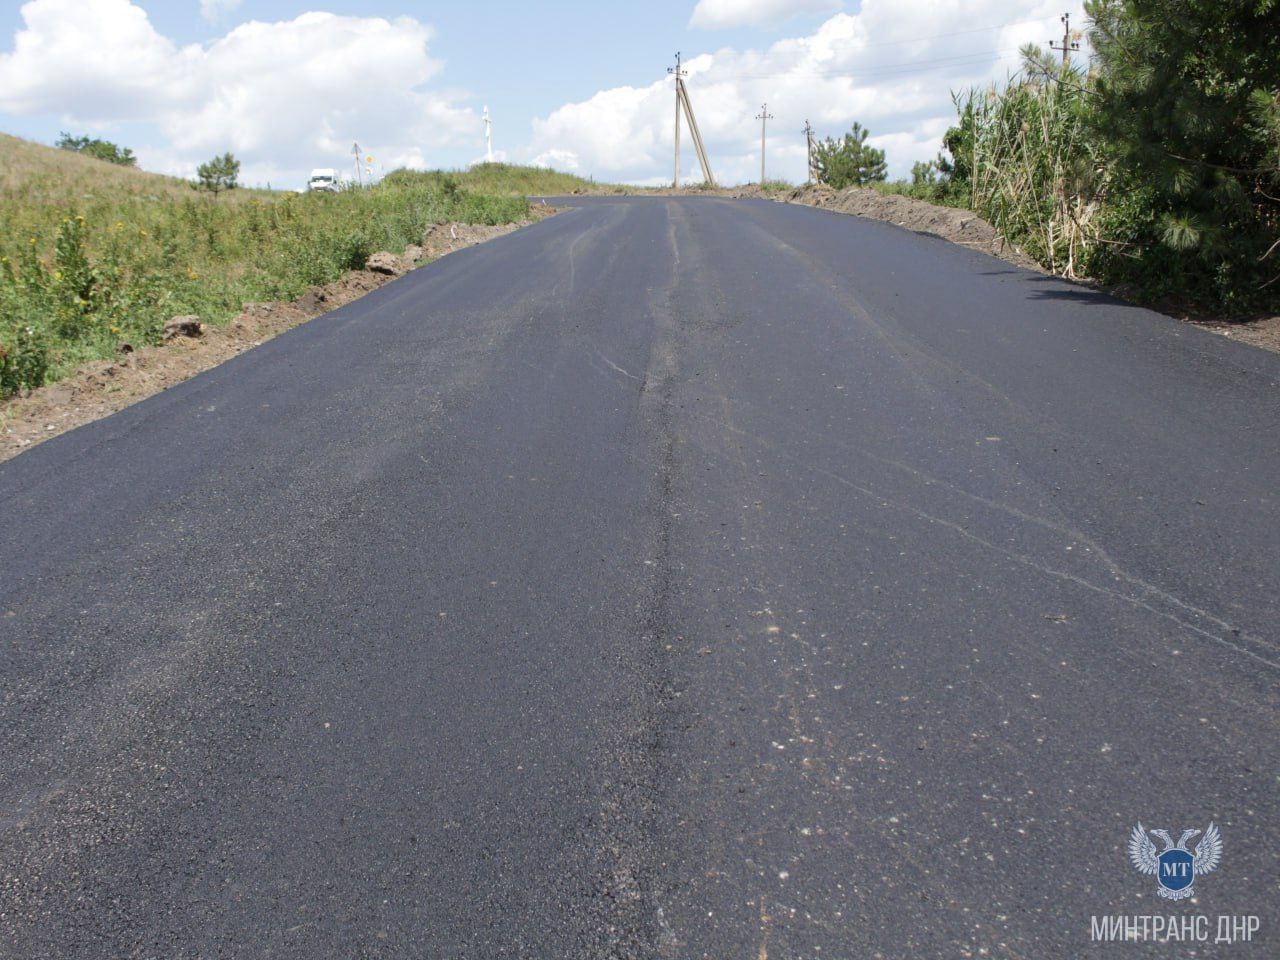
{"x": 708, "y": 178}
{"x": 808, "y": 146}
{"x": 682, "y": 102}
{"x": 1067, "y": 43}
{"x": 764, "y": 116}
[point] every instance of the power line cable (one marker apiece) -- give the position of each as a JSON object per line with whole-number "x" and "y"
{"x": 916, "y": 66}
{"x": 953, "y": 33}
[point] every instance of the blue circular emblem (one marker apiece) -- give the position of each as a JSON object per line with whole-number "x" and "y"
{"x": 1176, "y": 869}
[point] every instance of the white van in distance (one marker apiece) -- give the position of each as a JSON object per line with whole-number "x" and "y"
{"x": 324, "y": 179}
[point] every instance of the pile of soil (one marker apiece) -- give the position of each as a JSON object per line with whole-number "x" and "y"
{"x": 950, "y": 223}
{"x": 447, "y": 237}
{"x": 104, "y": 386}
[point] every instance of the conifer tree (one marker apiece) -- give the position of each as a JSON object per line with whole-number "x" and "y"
{"x": 849, "y": 161}
{"x": 1186, "y": 97}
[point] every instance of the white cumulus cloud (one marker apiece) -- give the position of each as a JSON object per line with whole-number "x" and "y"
{"x": 283, "y": 96}
{"x": 892, "y": 66}
{"x": 720, "y": 14}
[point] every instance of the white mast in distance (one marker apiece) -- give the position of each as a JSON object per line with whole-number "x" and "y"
{"x": 488, "y": 136}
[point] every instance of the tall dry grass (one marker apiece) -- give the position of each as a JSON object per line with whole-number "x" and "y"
{"x": 1036, "y": 175}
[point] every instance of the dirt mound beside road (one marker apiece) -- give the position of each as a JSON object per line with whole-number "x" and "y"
{"x": 950, "y": 223}
{"x": 447, "y": 237}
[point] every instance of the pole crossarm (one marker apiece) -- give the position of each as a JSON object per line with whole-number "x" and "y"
{"x": 1068, "y": 45}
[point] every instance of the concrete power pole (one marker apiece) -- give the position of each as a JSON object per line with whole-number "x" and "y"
{"x": 682, "y": 103}
{"x": 764, "y": 116}
{"x": 488, "y": 136}
{"x": 808, "y": 146}
{"x": 355, "y": 152}
{"x": 677, "y": 72}
{"x": 1067, "y": 43}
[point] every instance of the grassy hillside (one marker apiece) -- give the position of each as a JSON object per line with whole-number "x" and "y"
{"x": 509, "y": 179}
{"x": 93, "y": 255}
{"x": 34, "y": 174}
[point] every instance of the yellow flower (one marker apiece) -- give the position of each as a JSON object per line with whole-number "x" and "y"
{"x": 32, "y": 241}
{"x": 57, "y": 274}
{"x": 142, "y": 233}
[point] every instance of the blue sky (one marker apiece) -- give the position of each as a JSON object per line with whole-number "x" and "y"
{"x": 578, "y": 86}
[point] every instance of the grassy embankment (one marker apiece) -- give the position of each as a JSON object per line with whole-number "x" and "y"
{"x": 94, "y": 255}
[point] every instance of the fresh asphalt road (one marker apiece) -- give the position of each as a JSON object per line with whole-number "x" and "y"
{"x": 673, "y": 578}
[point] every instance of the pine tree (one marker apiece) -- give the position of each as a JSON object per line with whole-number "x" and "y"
{"x": 220, "y": 173}
{"x": 1187, "y": 102}
{"x": 849, "y": 161}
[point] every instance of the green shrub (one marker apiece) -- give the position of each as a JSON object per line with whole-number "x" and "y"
{"x": 24, "y": 361}
{"x": 72, "y": 283}
{"x": 98, "y": 149}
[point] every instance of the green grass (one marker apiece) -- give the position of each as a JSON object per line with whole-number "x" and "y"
{"x": 509, "y": 179}
{"x": 94, "y": 255}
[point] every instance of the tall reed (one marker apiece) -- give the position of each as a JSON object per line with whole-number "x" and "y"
{"x": 1035, "y": 174}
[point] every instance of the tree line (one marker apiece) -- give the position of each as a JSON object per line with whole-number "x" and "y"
{"x": 215, "y": 175}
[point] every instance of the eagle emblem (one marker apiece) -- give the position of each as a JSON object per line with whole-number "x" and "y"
{"x": 1175, "y": 868}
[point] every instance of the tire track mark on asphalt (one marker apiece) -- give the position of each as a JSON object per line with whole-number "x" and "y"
{"x": 628, "y": 907}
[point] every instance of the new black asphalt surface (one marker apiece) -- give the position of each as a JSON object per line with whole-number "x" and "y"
{"x": 673, "y": 578}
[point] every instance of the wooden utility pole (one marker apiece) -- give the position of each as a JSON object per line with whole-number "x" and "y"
{"x": 764, "y": 116}
{"x": 1068, "y": 44}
